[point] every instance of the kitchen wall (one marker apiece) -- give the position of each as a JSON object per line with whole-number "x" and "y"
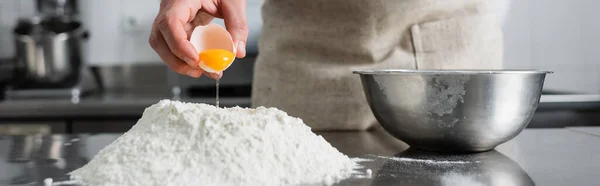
{"x": 558, "y": 35}
{"x": 10, "y": 10}
{"x": 119, "y": 29}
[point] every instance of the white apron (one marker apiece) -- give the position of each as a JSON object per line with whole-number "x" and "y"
{"x": 309, "y": 48}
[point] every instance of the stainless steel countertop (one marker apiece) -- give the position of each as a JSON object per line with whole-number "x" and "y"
{"x": 546, "y": 157}
{"x": 123, "y": 103}
{"x": 595, "y": 131}
{"x": 111, "y": 103}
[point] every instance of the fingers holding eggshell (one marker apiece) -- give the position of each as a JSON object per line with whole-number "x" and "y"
{"x": 160, "y": 46}
{"x": 215, "y": 47}
{"x": 201, "y": 19}
{"x": 234, "y": 14}
{"x": 174, "y": 34}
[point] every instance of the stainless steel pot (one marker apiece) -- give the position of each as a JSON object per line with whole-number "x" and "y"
{"x": 48, "y": 51}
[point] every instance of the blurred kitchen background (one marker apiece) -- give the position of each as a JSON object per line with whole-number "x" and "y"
{"x": 105, "y": 84}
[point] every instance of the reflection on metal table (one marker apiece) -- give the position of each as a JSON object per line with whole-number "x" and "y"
{"x": 536, "y": 157}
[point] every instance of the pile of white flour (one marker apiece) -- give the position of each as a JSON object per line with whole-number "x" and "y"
{"x": 176, "y": 143}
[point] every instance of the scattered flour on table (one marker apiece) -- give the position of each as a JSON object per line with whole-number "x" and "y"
{"x": 427, "y": 161}
{"x": 356, "y": 173}
{"x": 360, "y": 160}
{"x": 177, "y": 143}
{"x": 48, "y": 182}
{"x": 369, "y": 173}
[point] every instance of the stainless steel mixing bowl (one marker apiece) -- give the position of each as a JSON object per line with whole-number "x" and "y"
{"x": 453, "y": 111}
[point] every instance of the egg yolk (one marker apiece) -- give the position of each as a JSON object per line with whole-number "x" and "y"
{"x": 216, "y": 59}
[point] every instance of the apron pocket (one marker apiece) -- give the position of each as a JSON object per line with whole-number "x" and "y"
{"x": 461, "y": 42}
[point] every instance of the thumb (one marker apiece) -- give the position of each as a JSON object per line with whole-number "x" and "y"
{"x": 172, "y": 23}
{"x": 234, "y": 14}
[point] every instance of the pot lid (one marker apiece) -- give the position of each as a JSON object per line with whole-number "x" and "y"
{"x": 49, "y": 25}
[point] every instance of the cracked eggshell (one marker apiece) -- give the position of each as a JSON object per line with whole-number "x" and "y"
{"x": 211, "y": 36}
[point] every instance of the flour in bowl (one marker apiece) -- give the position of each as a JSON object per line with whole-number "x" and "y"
{"x": 177, "y": 143}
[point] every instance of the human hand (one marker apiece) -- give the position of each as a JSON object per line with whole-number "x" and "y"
{"x": 177, "y": 19}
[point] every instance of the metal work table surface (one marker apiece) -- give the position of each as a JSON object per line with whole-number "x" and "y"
{"x": 128, "y": 103}
{"x": 545, "y": 157}
{"x": 116, "y": 103}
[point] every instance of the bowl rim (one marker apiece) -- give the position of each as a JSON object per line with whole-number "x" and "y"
{"x": 452, "y": 72}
